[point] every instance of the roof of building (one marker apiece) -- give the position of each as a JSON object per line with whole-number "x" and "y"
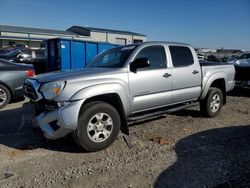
{"x": 6, "y": 28}
{"x": 86, "y": 31}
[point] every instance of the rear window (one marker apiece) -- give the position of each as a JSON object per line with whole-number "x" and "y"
{"x": 181, "y": 56}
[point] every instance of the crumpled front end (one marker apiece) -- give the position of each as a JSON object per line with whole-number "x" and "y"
{"x": 55, "y": 119}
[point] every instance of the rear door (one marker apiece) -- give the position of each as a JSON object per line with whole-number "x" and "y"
{"x": 151, "y": 87}
{"x": 186, "y": 74}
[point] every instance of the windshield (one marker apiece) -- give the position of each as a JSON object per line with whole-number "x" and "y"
{"x": 112, "y": 58}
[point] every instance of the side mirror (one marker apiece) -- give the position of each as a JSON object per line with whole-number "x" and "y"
{"x": 139, "y": 63}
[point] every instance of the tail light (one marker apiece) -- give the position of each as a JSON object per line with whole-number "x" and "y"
{"x": 30, "y": 73}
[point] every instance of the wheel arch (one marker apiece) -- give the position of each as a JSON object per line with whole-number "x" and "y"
{"x": 220, "y": 84}
{"x": 115, "y": 100}
{"x": 10, "y": 90}
{"x": 217, "y": 80}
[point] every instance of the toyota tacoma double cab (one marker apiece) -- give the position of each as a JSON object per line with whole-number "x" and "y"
{"x": 125, "y": 84}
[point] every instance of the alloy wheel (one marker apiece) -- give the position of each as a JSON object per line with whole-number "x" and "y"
{"x": 100, "y": 127}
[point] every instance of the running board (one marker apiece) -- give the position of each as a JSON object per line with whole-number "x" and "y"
{"x": 160, "y": 112}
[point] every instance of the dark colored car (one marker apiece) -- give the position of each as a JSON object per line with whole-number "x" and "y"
{"x": 11, "y": 54}
{"x": 213, "y": 58}
{"x": 245, "y": 56}
{"x": 12, "y": 77}
{"x": 28, "y": 56}
{"x": 34, "y": 57}
{"x": 4, "y": 51}
{"x": 21, "y": 46}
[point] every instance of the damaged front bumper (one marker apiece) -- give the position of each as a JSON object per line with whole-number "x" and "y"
{"x": 59, "y": 122}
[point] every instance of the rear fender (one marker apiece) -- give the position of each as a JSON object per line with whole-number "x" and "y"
{"x": 207, "y": 82}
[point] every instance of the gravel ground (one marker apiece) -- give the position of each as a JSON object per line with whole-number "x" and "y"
{"x": 178, "y": 150}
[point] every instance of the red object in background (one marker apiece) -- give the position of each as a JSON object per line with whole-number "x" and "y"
{"x": 30, "y": 73}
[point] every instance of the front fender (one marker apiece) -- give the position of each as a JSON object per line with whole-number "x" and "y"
{"x": 207, "y": 82}
{"x": 101, "y": 89}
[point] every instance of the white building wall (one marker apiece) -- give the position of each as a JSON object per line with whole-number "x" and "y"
{"x": 114, "y": 38}
{"x": 31, "y": 44}
{"x": 41, "y": 36}
{"x": 94, "y": 36}
{"x": 98, "y": 36}
{"x": 8, "y": 34}
{"x": 35, "y": 44}
{"x": 135, "y": 37}
{"x": 78, "y": 37}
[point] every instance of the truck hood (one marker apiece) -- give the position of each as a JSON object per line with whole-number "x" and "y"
{"x": 72, "y": 74}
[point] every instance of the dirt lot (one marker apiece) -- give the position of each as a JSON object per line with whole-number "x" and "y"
{"x": 177, "y": 150}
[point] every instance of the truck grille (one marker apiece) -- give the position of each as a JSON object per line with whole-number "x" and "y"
{"x": 30, "y": 91}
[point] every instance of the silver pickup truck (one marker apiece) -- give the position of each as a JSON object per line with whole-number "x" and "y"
{"x": 125, "y": 84}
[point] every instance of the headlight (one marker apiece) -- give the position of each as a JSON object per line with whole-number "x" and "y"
{"x": 52, "y": 89}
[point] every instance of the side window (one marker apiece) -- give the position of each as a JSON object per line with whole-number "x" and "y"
{"x": 181, "y": 56}
{"x": 156, "y": 55}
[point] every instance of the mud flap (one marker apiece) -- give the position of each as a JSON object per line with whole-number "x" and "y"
{"x": 125, "y": 131}
{"x": 124, "y": 127}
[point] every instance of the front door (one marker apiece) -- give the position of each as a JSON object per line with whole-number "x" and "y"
{"x": 151, "y": 87}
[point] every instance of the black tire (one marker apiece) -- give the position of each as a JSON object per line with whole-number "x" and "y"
{"x": 4, "y": 91}
{"x": 207, "y": 106}
{"x": 88, "y": 114}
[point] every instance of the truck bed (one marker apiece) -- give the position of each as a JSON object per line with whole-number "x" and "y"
{"x": 207, "y": 65}
{"x": 210, "y": 63}
{"x": 242, "y": 72}
{"x": 211, "y": 68}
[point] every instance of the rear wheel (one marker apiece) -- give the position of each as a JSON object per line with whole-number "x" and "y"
{"x": 4, "y": 96}
{"x": 212, "y": 104}
{"x": 98, "y": 126}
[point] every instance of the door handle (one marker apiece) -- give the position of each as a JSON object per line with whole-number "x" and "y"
{"x": 166, "y": 75}
{"x": 195, "y": 72}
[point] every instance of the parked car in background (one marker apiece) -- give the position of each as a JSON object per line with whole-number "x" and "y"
{"x": 20, "y": 46}
{"x": 11, "y": 54}
{"x": 237, "y": 60}
{"x": 12, "y": 77}
{"x": 242, "y": 67}
{"x": 242, "y": 76}
{"x": 35, "y": 57}
{"x": 201, "y": 56}
{"x": 213, "y": 58}
{"x": 4, "y": 51}
{"x": 122, "y": 84}
{"x": 29, "y": 56}
{"x": 245, "y": 56}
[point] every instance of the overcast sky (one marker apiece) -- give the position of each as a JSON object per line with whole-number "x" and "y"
{"x": 210, "y": 23}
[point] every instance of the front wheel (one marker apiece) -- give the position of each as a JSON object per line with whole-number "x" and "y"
{"x": 98, "y": 126}
{"x": 212, "y": 104}
{"x": 4, "y": 96}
